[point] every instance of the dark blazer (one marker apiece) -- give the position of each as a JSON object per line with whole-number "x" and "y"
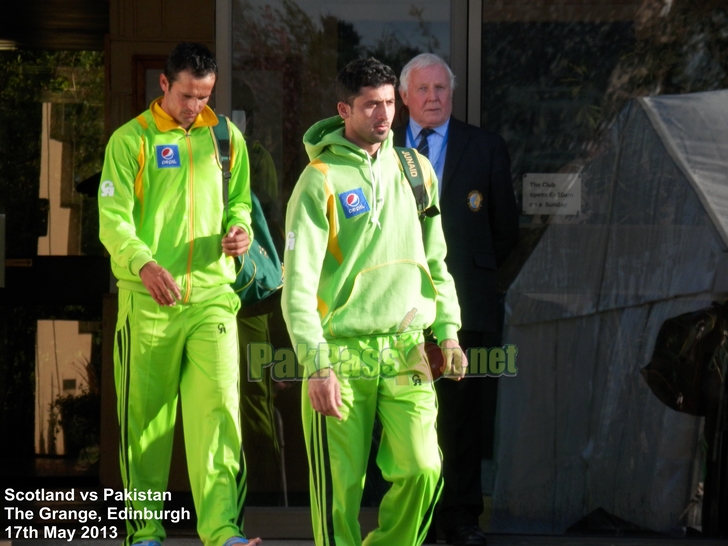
{"x": 479, "y": 218}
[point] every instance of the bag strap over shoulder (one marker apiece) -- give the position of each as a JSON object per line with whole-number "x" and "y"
{"x": 222, "y": 134}
{"x": 413, "y": 171}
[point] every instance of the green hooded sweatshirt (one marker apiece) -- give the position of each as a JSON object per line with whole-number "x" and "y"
{"x": 358, "y": 260}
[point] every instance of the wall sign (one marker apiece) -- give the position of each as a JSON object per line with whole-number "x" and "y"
{"x": 555, "y": 193}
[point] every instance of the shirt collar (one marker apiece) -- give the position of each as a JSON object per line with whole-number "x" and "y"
{"x": 440, "y": 130}
{"x": 165, "y": 122}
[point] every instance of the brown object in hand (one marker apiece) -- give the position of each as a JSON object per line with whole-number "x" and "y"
{"x": 435, "y": 359}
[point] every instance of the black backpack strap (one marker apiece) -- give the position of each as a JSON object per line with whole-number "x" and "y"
{"x": 413, "y": 171}
{"x": 222, "y": 134}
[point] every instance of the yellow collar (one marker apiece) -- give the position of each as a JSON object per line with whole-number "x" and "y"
{"x": 165, "y": 122}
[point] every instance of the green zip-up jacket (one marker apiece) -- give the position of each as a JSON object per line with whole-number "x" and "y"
{"x": 160, "y": 200}
{"x": 358, "y": 260}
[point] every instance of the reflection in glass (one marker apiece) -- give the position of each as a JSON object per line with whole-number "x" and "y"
{"x": 66, "y": 390}
{"x": 287, "y": 53}
{"x": 285, "y": 57}
{"x": 53, "y": 113}
{"x": 554, "y": 80}
{"x": 590, "y": 291}
{"x": 52, "y": 141}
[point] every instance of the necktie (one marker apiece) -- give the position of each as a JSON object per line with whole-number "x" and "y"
{"x": 424, "y": 147}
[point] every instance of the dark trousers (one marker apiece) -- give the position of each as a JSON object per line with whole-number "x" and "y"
{"x": 465, "y": 430}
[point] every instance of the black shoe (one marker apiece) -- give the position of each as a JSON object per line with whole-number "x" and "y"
{"x": 467, "y": 535}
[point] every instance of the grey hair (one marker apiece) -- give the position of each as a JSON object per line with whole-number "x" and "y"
{"x": 423, "y": 60}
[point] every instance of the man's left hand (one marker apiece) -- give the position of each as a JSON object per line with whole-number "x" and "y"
{"x": 456, "y": 362}
{"x": 236, "y": 242}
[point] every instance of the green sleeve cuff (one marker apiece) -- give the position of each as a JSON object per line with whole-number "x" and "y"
{"x": 246, "y": 228}
{"x": 139, "y": 261}
{"x": 315, "y": 359}
{"x": 445, "y": 331}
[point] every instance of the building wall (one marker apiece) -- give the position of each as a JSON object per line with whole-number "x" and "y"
{"x": 146, "y": 31}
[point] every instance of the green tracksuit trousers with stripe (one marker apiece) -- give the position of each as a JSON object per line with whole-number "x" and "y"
{"x": 408, "y": 453}
{"x": 191, "y": 350}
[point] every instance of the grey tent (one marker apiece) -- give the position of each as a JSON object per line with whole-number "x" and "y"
{"x": 578, "y": 429}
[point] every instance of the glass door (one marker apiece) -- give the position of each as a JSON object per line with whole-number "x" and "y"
{"x": 55, "y": 271}
{"x": 285, "y": 55}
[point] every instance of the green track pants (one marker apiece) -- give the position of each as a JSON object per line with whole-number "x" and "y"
{"x": 161, "y": 353}
{"x": 408, "y": 453}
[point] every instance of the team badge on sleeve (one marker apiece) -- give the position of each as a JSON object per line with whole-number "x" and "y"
{"x": 167, "y": 156}
{"x": 353, "y": 202}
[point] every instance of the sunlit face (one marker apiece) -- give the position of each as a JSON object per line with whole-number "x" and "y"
{"x": 428, "y": 96}
{"x": 186, "y": 97}
{"x": 368, "y": 119}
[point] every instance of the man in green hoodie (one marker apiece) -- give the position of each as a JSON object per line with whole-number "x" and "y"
{"x": 365, "y": 275}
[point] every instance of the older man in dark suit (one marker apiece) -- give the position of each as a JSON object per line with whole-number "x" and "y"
{"x": 480, "y": 223}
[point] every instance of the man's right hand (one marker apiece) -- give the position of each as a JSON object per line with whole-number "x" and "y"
{"x": 160, "y": 284}
{"x": 324, "y": 391}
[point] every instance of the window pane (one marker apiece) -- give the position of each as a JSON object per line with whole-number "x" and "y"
{"x": 622, "y": 228}
{"x": 286, "y": 55}
{"x": 285, "y": 58}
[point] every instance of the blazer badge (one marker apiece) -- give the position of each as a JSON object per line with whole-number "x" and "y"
{"x": 475, "y": 200}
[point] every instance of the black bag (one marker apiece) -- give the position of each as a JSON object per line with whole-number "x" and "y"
{"x": 689, "y": 359}
{"x": 259, "y": 270}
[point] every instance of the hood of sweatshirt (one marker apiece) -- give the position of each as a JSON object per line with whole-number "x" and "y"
{"x": 329, "y": 132}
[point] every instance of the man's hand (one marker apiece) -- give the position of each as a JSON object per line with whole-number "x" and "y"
{"x": 324, "y": 392}
{"x": 456, "y": 362}
{"x": 236, "y": 242}
{"x": 160, "y": 284}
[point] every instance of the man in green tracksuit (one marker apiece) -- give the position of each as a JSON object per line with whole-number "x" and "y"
{"x": 364, "y": 277}
{"x": 172, "y": 244}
